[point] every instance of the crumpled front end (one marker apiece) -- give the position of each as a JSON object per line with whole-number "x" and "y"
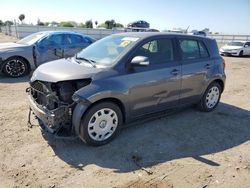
{"x": 52, "y": 103}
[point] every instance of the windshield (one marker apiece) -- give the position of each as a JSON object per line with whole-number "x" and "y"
{"x": 106, "y": 51}
{"x": 235, "y": 44}
{"x": 31, "y": 39}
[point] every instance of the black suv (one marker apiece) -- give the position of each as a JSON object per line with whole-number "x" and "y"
{"x": 140, "y": 23}
{"x": 125, "y": 77}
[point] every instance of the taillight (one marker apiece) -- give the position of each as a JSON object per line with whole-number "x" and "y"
{"x": 223, "y": 63}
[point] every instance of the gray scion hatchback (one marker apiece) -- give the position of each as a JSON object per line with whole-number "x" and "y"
{"x": 125, "y": 77}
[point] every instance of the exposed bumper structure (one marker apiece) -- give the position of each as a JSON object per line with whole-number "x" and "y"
{"x": 54, "y": 119}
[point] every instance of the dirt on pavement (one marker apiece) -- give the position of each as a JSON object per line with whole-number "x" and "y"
{"x": 186, "y": 149}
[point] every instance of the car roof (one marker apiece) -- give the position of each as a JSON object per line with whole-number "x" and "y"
{"x": 243, "y": 41}
{"x": 142, "y": 35}
{"x": 59, "y": 32}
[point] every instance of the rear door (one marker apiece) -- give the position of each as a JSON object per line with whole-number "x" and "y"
{"x": 157, "y": 86}
{"x": 196, "y": 67}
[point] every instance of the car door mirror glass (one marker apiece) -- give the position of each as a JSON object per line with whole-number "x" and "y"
{"x": 140, "y": 61}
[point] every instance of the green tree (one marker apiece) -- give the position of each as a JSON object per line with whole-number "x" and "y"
{"x": 21, "y": 17}
{"x": 89, "y": 24}
{"x": 102, "y": 25}
{"x": 1, "y": 23}
{"x": 66, "y": 24}
{"x": 8, "y": 22}
{"x": 119, "y": 25}
{"x": 110, "y": 24}
{"x": 82, "y": 25}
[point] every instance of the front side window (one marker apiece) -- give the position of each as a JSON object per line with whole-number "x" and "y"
{"x": 56, "y": 40}
{"x": 158, "y": 51}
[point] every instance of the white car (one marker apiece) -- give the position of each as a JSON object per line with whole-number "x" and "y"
{"x": 236, "y": 48}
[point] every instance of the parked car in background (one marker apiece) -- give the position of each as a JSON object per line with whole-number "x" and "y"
{"x": 236, "y": 48}
{"x": 140, "y": 23}
{"x": 125, "y": 77}
{"x": 18, "y": 59}
{"x": 201, "y": 33}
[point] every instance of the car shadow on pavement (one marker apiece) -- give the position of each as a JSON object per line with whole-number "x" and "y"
{"x": 8, "y": 80}
{"x": 188, "y": 133}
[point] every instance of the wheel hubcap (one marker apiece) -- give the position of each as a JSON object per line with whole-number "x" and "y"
{"x": 102, "y": 124}
{"x": 15, "y": 67}
{"x": 212, "y": 97}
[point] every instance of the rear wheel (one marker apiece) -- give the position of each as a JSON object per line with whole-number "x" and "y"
{"x": 211, "y": 97}
{"x": 101, "y": 123}
{"x": 15, "y": 67}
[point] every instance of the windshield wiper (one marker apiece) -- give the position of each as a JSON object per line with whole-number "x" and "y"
{"x": 90, "y": 61}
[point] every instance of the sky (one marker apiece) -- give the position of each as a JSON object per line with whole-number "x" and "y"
{"x": 224, "y": 16}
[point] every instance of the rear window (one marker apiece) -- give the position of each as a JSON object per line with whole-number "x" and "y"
{"x": 192, "y": 49}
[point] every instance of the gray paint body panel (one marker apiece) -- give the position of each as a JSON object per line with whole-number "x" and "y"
{"x": 141, "y": 90}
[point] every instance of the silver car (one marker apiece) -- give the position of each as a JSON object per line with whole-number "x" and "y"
{"x": 18, "y": 59}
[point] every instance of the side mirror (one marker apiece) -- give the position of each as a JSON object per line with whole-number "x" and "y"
{"x": 140, "y": 61}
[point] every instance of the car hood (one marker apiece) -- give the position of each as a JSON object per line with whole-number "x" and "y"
{"x": 231, "y": 47}
{"x": 10, "y": 45}
{"x": 62, "y": 70}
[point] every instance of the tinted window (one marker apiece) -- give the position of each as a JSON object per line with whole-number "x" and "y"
{"x": 76, "y": 39}
{"x": 248, "y": 43}
{"x": 87, "y": 40}
{"x": 189, "y": 49}
{"x": 158, "y": 51}
{"x": 203, "y": 50}
{"x": 55, "y": 40}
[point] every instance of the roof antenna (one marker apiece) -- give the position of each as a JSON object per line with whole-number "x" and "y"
{"x": 187, "y": 29}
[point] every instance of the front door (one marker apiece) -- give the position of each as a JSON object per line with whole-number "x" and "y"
{"x": 157, "y": 86}
{"x": 50, "y": 48}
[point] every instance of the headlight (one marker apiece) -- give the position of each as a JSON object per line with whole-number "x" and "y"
{"x": 75, "y": 98}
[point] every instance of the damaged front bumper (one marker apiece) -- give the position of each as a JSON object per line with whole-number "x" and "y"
{"x": 53, "y": 120}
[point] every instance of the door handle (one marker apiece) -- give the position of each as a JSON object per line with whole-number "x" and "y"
{"x": 175, "y": 72}
{"x": 207, "y": 66}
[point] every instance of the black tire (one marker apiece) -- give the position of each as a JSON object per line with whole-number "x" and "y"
{"x": 85, "y": 133}
{"x": 241, "y": 53}
{"x": 15, "y": 67}
{"x": 204, "y": 104}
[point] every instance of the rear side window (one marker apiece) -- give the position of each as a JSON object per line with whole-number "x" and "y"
{"x": 189, "y": 49}
{"x": 192, "y": 49}
{"x": 73, "y": 39}
{"x": 203, "y": 50}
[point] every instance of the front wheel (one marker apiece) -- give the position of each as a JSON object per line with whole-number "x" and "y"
{"x": 241, "y": 53}
{"x": 211, "y": 97}
{"x": 15, "y": 67}
{"x": 101, "y": 123}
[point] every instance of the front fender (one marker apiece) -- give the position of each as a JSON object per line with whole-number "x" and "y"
{"x": 102, "y": 90}
{"x": 78, "y": 112}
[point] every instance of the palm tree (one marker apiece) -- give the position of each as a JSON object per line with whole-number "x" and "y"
{"x": 21, "y": 17}
{"x": 96, "y": 23}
